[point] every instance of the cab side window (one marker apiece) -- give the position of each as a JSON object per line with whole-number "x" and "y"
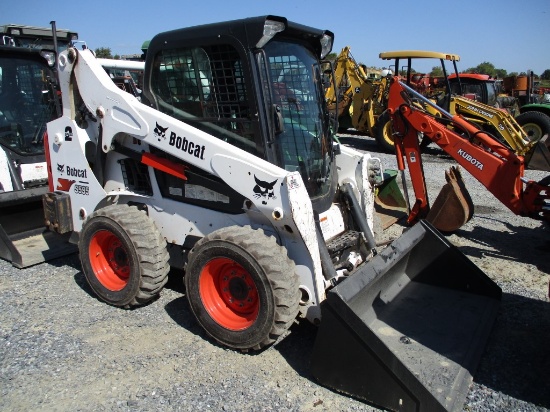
{"x": 205, "y": 87}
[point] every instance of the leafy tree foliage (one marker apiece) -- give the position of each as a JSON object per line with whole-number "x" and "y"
{"x": 331, "y": 56}
{"x": 545, "y": 75}
{"x": 437, "y": 71}
{"x": 103, "y": 53}
{"x": 484, "y": 68}
{"x": 500, "y": 73}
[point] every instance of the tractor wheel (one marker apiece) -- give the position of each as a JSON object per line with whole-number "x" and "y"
{"x": 535, "y": 124}
{"x": 242, "y": 287}
{"x": 123, "y": 256}
{"x": 383, "y": 133}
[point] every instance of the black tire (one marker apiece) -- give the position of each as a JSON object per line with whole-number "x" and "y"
{"x": 123, "y": 255}
{"x": 242, "y": 287}
{"x": 383, "y": 133}
{"x": 535, "y": 124}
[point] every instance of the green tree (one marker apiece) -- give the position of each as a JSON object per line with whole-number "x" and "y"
{"x": 545, "y": 75}
{"x": 437, "y": 71}
{"x": 331, "y": 56}
{"x": 483, "y": 68}
{"x": 404, "y": 72}
{"x": 500, "y": 73}
{"x": 103, "y": 52}
{"x": 487, "y": 68}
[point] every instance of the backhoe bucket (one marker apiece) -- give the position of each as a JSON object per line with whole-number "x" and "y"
{"x": 24, "y": 238}
{"x": 453, "y": 207}
{"x": 407, "y": 329}
{"x": 389, "y": 203}
{"x": 538, "y": 157}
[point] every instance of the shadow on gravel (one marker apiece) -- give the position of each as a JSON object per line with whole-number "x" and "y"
{"x": 359, "y": 142}
{"x": 516, "y": 361}
{"x": 297, "y": 348}
{"x": 180, "y": 312}
{"x": 521, "y": 244}
{"x": 71, "y": 260}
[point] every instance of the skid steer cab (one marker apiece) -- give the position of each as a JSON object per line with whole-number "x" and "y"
{"x": 228, "y": 168}
{"x": 28, "y": 100}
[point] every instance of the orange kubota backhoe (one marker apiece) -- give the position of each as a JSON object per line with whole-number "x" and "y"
{"x": 491, "y": 162}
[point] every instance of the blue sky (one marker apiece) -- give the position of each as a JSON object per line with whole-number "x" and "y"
{"x": 513, "y": 35}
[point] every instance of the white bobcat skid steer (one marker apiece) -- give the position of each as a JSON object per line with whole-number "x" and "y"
{"x": 227, "y": 168}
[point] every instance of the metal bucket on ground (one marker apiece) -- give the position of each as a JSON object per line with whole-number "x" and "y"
{"x": 24, "y": 238}
{"x": 407, "y": 330}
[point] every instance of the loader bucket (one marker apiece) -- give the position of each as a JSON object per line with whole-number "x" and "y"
{"x": 24, "y": 238}
{"x": 408, "y": 328}
{"x": 453, "y": 207}
{"x": 389, "y": 202}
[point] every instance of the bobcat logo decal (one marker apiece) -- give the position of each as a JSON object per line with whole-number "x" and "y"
{"x": 60, "y": 168}
{"x": 264, "y": 190}
{"x": 160, "y": 131}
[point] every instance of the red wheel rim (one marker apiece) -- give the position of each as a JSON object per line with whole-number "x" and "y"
{"x": 229, "y": 294}
{"x": 109, "y": 260}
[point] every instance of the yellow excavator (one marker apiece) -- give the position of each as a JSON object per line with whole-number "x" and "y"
{"x": 360, "y": 100}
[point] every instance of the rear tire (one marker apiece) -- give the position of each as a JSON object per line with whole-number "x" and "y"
{"x": 242, "y": 287}
{"x": 535, "y": 124}
{"x": 123, "y": 255}
{"x": 383, "y": 133}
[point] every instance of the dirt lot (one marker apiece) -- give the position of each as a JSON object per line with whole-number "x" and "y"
{"x": 62, "y": 349}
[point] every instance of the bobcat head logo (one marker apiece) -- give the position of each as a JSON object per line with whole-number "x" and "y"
{"x": 160, "y": 131}
{"x": 264, "y": 190}
{"x": 60, "y": 168}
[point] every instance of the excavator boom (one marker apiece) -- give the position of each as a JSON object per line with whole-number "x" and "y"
{"x": 492, "y": 163}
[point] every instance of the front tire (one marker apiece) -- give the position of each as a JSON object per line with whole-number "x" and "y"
{"x": 123, "y": 255}
{"x": 535, "y": 124}
{"x": 383, "y": 133}
{"x": 242, "y": 287}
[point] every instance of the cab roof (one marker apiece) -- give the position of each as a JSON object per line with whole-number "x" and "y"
{"x": 418, "y": 54}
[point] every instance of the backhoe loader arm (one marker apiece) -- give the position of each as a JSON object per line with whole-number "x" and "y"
{"x": 348, "y": 76}
{"x": 494, "y": 165}
{"x": 501, "y": 120}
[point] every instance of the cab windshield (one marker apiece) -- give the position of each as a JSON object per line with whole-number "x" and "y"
{"x": 302, "y": 138}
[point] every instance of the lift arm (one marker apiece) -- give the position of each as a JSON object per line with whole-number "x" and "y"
{"x": 494, "y": 165}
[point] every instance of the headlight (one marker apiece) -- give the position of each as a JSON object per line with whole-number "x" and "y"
{"x": 326, "y": 45}
{"x": 271, "y": 28}
{"x": 49, "y": 56}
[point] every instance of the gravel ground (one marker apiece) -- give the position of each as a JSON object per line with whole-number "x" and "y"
{"x": 62, "y": 349}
